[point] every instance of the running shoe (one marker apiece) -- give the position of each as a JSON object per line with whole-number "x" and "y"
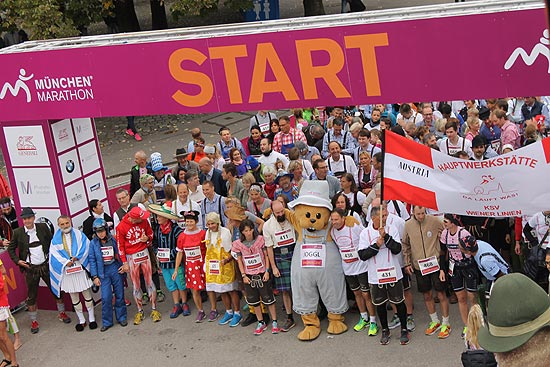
{"x": 385, "y": 338}
{"x": 464, "y": 332}
{"x": 411, "y": 326}
{"x": 275, "y": 328}
{"x": 213, "y": 316}
{"x": 144, "y": 299}
{"x": 226, "y": 319}
{"x": 138, "y": 318}
{"x": 394, "y": 322}
{"x": 138, "y": 137}
{"x": 236, "y": 320}
{"x": 64, "y": 317}
{"x": 432, "y": 328}
{"x": 200, "y": 316}
{"x": 289, "y": 324}
{"x": 126, "y": 301}
{"x": 186, "y": 310}
{"x": 160, "y": 296}
{"x": 260, "y": 328}
{"x": 444, "y": 332}
{"x": 176, "y": 311}
{"x": 373, "y": 329}
{"x": 361, "y": 324}
{"x": 404, "y": 339}
{"x": 156, "y": 316}
{"x": 34, "y": 327}
{"x": 130, "y": 132}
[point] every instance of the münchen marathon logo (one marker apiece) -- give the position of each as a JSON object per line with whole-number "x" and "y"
{"x": 49, "y": 89}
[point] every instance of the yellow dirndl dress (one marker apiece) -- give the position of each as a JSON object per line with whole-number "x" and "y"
{"x": 219, "y": 278}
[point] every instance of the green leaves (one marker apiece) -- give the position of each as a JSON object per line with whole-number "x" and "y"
{"x": 185, "y": 8}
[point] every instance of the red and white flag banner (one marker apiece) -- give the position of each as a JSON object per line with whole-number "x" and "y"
{"x": 511, "y": 184}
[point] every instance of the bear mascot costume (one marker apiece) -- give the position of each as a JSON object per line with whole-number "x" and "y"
{"x": 316, "y": 268}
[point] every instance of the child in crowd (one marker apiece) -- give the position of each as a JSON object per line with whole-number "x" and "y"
{"x": 254, "y": 265}
{"x": 191, "y": 242}
{"x": 220, "y": 271}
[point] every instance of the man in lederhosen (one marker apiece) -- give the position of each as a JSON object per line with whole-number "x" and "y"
{"x": 33, "y": 244}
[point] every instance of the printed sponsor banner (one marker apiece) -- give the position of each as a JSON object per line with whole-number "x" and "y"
{"x": 76, "y": 197}
{"x": 62, "y": 135}
{"x": 26, "y": 146}
{"x": 36, "y": 187}
{"x": 512, "y": 184}
{"x": 83, "y": 130}
{"x": 89, "y": 158}
{"x": 69, "y": 166}
{"x": 95, "y": 187}
{"x": 344, "y": 65}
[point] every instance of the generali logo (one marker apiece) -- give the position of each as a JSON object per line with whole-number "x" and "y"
{"x": 25, "y": 146}
{"x": 63, "y": 134}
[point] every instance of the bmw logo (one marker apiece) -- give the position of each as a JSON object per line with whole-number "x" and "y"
{"x": 69, "y": 166}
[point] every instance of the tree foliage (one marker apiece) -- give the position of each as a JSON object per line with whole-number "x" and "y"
{"x": 43, "y": 19}
{"x": 183, "y": 8}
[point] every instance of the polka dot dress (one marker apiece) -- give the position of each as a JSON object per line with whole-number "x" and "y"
{"x": 194, "y": 274}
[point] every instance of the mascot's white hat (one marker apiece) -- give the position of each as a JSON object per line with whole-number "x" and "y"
{"x": 313, "y": 193}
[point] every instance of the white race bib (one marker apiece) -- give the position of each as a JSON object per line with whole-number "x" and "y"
{"x": 193, "y": 253}
{"x": 76, "y": 268}
{"x": 214, "y": 267}
{"x": 313, "y": 256}
{"x": 141, "y": 257}
{"x": 386, "y": 275}
{"x": 252, "y": 262}
{"x": 163, "y": 255}
{"x": 349, "y": 255}
{"x": 264, "y": 128}
{"x": 107, "y": 253}
{"x": 285, "y": 237}
{"x": 428, "y": 265}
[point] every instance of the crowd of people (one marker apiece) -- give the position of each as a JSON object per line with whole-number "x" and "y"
{"x": 217, "y": 226}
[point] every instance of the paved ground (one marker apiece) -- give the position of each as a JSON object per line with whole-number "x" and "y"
{"x": 181, "y": 340}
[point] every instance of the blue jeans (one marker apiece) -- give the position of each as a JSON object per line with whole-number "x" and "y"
{"x": 112, "y": 283}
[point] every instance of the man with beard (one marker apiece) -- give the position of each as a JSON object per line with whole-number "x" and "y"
{"x": 280, "y": 240}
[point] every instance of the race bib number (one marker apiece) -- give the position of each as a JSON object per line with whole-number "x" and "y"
{"x": 451, "y": 267}
{"x": 141, "y": 257}
{"x": 264, "y": 128}
{"x": 285, "y": 237}
{"x": 428, "y": 265}
{"x": 252, "y": 262}
{"x": 107, "y": 253}
{"x": 313, "y": 256}
{"x": 387, "y": 275}
{"x": 349, "y": 255}
{"x": 193, "y": 253}
{"x": 75, "y": 268}
{"x": 163, "y": 255}
{"x": 214, "y": 267}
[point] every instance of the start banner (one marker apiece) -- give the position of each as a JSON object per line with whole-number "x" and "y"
{"x": 512, "y": 184}
{"x": 487, "y": 55}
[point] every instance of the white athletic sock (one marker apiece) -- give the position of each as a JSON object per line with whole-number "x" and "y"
{"x": 445, "y": 320}
{"x": 80, "y": 315}
{"x": 434, "y": 317}
{"x": 365, "y": 315}
{"x": 237, "y": 312}
{"x": 372, "y": 319}
{"x": 229, "y": 312}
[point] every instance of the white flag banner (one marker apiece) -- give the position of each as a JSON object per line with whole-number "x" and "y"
{"x": 512, "y": 184}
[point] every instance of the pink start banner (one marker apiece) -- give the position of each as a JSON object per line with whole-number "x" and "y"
{"x": 448, "y": 58}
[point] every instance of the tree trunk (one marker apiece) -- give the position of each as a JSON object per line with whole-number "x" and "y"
{"x": 158, "y": 15}
{"x": 313, "y": 7}
{"x": 126, "y": 16}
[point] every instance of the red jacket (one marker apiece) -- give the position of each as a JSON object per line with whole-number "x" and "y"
{"x": 128, "y": 237}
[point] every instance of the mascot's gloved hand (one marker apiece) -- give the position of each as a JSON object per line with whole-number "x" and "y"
{"x": 350, "y": 221}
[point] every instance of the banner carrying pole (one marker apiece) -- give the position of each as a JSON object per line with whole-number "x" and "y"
{"x": 383, "y": 137}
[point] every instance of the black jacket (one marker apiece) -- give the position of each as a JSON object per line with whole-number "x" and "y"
{"x": 19, "y": 245}
{"x": 219, "y": 183}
